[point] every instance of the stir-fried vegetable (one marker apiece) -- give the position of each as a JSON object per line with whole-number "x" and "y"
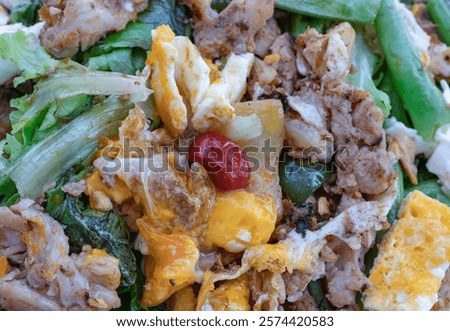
{"x": 397, "y": 109}
{"x": 439, "y": 11}
{"x": 299, "y": 181}
{"x": 357, "y": 11}
{"x": 365, "y": 61}
{"x": 420, "y": 96}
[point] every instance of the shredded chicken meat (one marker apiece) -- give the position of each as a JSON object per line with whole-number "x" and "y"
{"x": 42, "y": 274}
{"x": 231, "y": 31}
{"x": 74, "y": 25}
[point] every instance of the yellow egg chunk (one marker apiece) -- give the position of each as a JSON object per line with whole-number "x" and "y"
{"x": 170, "y": 265}
{"x": 241, "y": 219}
{"x": 232, "y": 295}
{"x": 168, "y": 101}
{"x": 3, "y": 265}
{"x": 183, "y": 300}
{"x": 413, "y": 257}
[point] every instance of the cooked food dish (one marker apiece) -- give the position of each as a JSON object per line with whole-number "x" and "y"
{"x": 224, "y": 155}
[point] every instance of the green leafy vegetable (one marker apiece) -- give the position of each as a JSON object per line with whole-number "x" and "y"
{"x": 168, "y": 12}
{"x": 125, "y": 51}
{"x": 420, "y": 96}
{"x": 72, "y": 79}
{"x": 432, "y": 189}
{"x": 317, "y": 291}
{"x": 356, "y": 11}
{"x": 219, "y": 5}
{"x": 84, "y": 226}
{"x": 26, "y": 13}
{"x": 397, "y": 109}
{"x": 136, "y": 34}
{"x": 46, "y": 161}
{"x": 439, "y": 11}
{"x": 299, "y": 181}
{"x": 125, "y": 60}
{"x": 365, "y": 62}
{"x": 8, "y": 191}
{"x": 24, "y": 50}
{"x": 300, "y": 24}
{"x": 131, "y": 296}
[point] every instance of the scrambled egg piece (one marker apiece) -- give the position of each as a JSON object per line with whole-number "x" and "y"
{"x": 100, "y": 196}
{"x": 192, "y": 73}
{"x": 241, "y": 219}
{"x": 3, "y": 265}
{"x": 181, "y": 80}
{"x": 215, "y": 109}
{"x": 232, "y": 295}
{"x": 170, "y": 265}
{"x": 413, "y": 257}
{"x": 183, "y": 300}
{"x": 168, "y": 101}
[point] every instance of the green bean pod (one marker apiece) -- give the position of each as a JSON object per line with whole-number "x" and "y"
{"x": 439, "y": 12}
{"x": 355, "y": 11}
{"x": 420, "y": 96}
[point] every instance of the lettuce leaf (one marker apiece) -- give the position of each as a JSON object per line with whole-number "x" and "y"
{"x": 24, "y": 50}
{"x": 365, "y": 62}
{"x": 45, "y": 162}
{"x": 61, "y": 97}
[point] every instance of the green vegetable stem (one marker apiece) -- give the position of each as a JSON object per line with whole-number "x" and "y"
{"x": 356, "y": 11}
{"x": 439, "y": 11}
{"x": 420, "y": 96}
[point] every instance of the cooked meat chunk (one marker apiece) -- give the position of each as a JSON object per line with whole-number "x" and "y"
{"x": 306, "y": 128}
{"x": 344, "y": 277}
{"x": 72, "y": 25}
{"x": 364, "y": 164}
{"x": 326, "y": 57}
{"x": 231, "y": 31}
{"x": 282, "y": 48}
{"x": 268, "y": 291}
{"x": 265, "y": 37}
{"x": 48, "y": 278}
{"x": 440, "y": 60}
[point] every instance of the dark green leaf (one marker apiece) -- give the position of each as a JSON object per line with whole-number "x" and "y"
{"x": 8, "y": 191}
{"x": 357, "y": 11}
{"x": 26, "y": 13}
{"x": 397, "y": 110}
{"x": 432, "y": 189}
{"x": 161, "y": 12}
{"x": 84, "y": 226}
{"x": 220, "y": 5}
{"x": 299, "y": 180}
{"x": 317, "y": 291}
{"x": 300, "y": 24}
